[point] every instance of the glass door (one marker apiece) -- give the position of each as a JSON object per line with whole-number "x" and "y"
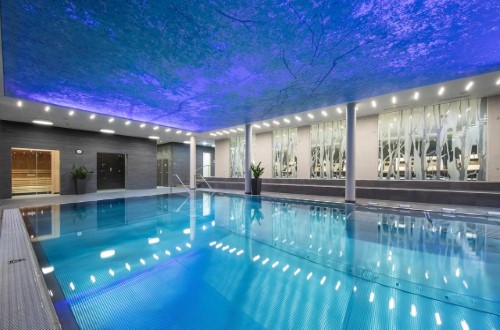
{"x": 34, "y": 171}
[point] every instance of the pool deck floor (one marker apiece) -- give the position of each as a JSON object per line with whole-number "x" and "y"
{"x": 25, "y": 302}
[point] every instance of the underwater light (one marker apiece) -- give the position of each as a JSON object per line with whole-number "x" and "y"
{"x": 107, "y": 254}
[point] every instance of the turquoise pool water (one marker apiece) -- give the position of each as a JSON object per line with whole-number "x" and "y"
{"x": 230, "y": 261}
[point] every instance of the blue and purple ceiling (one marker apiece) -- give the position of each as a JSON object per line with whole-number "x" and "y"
{"x": 203, "y": 65}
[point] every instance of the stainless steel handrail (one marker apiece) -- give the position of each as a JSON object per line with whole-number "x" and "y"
{"x": 182, "y": 183}
{"x": 201, "y": 176}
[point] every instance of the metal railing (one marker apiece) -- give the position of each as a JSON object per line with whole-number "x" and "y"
{"x": 202, "y": 177}
{"x": 182, "y": 183}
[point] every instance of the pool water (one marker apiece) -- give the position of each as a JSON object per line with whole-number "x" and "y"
{"x": 233, "y": 261}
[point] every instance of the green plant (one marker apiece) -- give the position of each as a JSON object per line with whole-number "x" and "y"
{"x": 256, "y": 170}
{"x": 80, "y": 172}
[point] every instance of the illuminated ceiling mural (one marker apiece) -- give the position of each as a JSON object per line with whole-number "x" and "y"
{"x": 201, "y": 65}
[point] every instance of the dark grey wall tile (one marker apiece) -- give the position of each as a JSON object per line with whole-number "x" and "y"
{"x": 141, "y": 153}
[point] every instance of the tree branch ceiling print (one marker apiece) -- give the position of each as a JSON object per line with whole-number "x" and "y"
{"x": 203, "y": 65}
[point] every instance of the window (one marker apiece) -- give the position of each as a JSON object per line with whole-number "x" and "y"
{"x": 285, "y": 153}
{"x": 440, "y": 142}
{"x": 328, "y": 145}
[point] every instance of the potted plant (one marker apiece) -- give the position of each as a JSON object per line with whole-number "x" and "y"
{"x": 80, "y": 174}
{"x": 257, "y": 171}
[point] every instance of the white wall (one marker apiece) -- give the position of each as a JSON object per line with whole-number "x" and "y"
{"x": 493, "y": 148}
{"x": 304, "y": 152}
{"x": 366, "y": 147}
{"x": 263, "y": 145}
{"x": 222, "y": 158}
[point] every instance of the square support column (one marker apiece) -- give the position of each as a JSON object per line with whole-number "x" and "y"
{"x": 192, "y": 163}
{"x": 350, "y": 176}
{"x": 248, "y": 150}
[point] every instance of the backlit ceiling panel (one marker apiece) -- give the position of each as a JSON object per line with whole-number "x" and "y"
{"x": 201, "y": 65}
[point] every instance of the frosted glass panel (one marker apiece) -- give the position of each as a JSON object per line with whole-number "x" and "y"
{"x": 285, "y": 153}
{"x": 439, "y": 142}
{"x": 328, "y": 146}
{"x": 237, "y": 156}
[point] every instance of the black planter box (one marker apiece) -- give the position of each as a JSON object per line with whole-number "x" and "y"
{"x": 256, "y": 186}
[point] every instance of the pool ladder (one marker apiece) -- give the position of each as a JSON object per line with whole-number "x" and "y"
{"x": 195, "y": 177}
{"x": 182, "y": 183}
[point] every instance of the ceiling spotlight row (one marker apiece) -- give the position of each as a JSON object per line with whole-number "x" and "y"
{"x": 440, "y": 92}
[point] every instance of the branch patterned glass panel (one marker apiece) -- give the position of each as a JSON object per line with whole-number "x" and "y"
{"x": 440, "y": 142}
{"x": 285, "y": 153}
{"x": 237, "y": 156}
{"x": 328, "y": 145}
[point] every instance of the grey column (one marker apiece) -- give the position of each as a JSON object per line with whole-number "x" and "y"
{"x": 192, "y": 163}
{"x": 248, "y": 148}
{"x": 350, "y": 176}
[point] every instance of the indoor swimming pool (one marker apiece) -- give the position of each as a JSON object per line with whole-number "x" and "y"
{"x": 243, "y": 262}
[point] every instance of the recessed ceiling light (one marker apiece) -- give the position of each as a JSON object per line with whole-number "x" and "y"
{"x": 42, "y": 122}
{"x": 233, "y": 130}
{"x": 219, "y": 133}
{"x": 275, "y": 122}
{"x": 374, "y": 104}
{"x": 168, "y": 130}
{"x": 286, "y": 120}
{"x": 188, "y": 134}
{"x": 498, "y": 82}
{"x": 256, "y": 125}
{"x": 187, "y": 142}
{"x": 356, "y": 108}
{"x": 19, "y": 103}
{"x": 339, "y": 110}
{"x": 142, "y": 125}
{"x": 297, "y": 118}
{"x": 441, "y": 90}
{"x": 156, "y": 128}
{"x": 153, "y": 137}
{"x": 204, "y": 143}
{"x": 178, "y": 132}
{"x": 324, "y": 113}
{"x": 416, "y": 96}
{"x": 127, "y": 122}
{"x": 71, "y": 113}
{"x": 310, "y": 115}
{"x": 107, "y": 131}
{"x": 213, "y": 134}
{"x": 47, "y": 108}
{"x": 240, "y": 129}
{"x": 110, "y": 120}
{"x": 469, "y": 85}
{"x": 394, "y": 100}
{"x": 266, "y": 124}
{"x": 225, "y": 131}
{"x": 92, "y": 116}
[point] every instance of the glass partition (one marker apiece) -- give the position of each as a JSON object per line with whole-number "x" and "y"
{"x": 440, "y": 142}
{"x": 237, "y": 156}
{"x": 35, "y": 171}
{"x": 285, "y": 153}
{"x": 328, "y": 146}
